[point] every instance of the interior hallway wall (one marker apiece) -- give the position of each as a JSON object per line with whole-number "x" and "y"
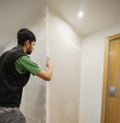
{"x": 92, "y": 74}
{"x": 64, "y": 49}
{"x": 58, "y": 40}
{"x": 35, "y": 92}
{"x": 34, "y": 97}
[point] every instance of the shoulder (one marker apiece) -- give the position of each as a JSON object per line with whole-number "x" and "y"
{"x": 26, "y": 60}
{"x": 24, "y": 57}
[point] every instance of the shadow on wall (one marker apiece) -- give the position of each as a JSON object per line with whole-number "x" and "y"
{"x": 35, "y": 101}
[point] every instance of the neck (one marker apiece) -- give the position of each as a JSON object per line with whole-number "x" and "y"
{"x": 24, "y": 48}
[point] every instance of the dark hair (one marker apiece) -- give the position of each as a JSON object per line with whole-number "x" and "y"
{"x": 24, "y": 34}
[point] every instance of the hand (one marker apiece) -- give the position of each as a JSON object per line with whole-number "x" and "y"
{"x": 46, "y": 74}
{"x": 48, "y": 62}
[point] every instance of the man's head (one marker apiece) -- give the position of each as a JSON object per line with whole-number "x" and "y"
{"x": 26, "y": 39}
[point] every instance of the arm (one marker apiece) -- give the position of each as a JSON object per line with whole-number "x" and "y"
{"x": 46, "y": 75}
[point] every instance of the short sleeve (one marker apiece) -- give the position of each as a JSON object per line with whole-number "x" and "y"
{"x": 25, "y": 63}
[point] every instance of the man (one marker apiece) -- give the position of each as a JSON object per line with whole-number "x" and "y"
{"x": 15, "y": 69}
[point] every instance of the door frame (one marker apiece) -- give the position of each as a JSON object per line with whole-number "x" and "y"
{"x": 105, "y": 75}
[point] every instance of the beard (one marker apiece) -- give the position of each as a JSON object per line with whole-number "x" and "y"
{"x": 29, "y": 52}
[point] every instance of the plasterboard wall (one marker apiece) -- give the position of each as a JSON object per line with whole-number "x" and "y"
{"x": 60, "y": 42}
{"x": 64, "y": 49}
{"x": 35, "y": 91}
{"x": 33, "y": 103}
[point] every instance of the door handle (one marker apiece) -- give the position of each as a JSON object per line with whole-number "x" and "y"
{"x": 112, "y": 91}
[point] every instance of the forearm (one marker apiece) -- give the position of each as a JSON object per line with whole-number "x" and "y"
{"x": 46, "y": 75}
{"x": 50, "y": 71}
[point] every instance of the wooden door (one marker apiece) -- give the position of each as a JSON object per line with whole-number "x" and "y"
{"x": 111, "y": 91}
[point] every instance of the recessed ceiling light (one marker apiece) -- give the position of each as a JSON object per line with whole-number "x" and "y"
{"x": 80, "y": 14}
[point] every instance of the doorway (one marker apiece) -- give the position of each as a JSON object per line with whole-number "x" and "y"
{"x": 111, "y": 81}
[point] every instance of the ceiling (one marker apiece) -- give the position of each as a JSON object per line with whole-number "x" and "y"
{"x": 98, "y": 14}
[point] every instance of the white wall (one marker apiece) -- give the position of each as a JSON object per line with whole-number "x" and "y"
{"x": 34, "y": 97}
{"x": 92, "y": 74}
{"x": 57, "y": 39}
{"x": 35, "y": 91}
{"x": 64, "y": 49}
